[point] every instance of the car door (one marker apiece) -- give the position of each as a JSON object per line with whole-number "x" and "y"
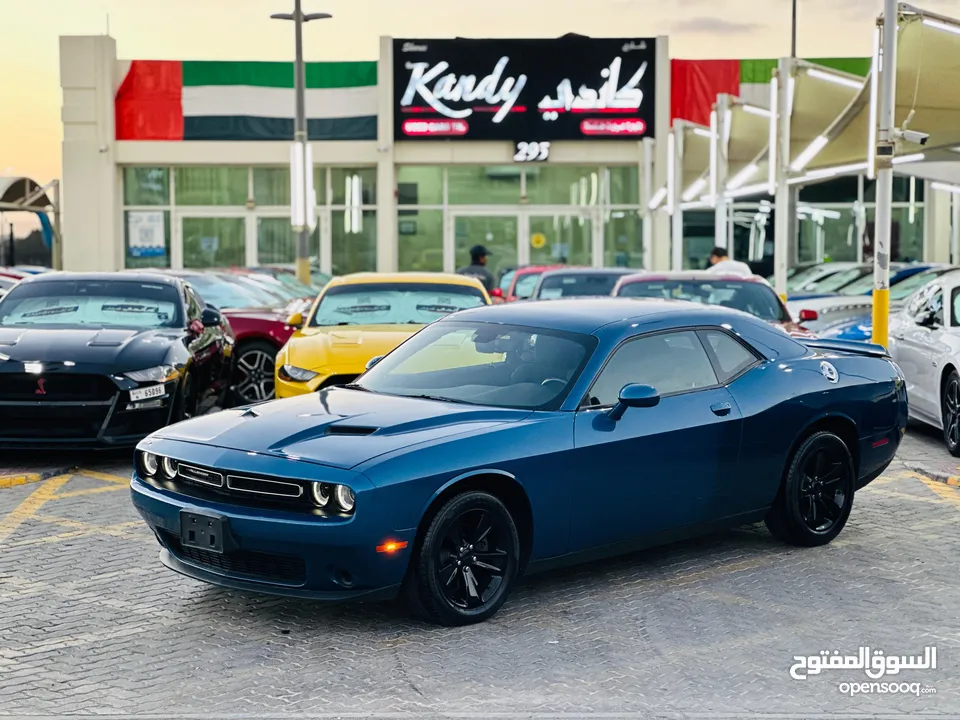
{"x": 659, "y": 468}
{"x": 205, "y": 345}
{"x": 919, "y": 337}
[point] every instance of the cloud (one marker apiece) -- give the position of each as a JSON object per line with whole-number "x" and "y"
{"x": 710, "y": 25}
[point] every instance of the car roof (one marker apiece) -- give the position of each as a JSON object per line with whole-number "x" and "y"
{"x": 156, "y": 277}
{"x": 704, "y": 275}
{"x": 579, "y": 315}
{"x": 589, "y": 271}
{"x": 393, "y": 278}
{"x": 528, "y": 269}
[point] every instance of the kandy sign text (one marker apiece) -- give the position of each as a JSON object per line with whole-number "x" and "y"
{"x": 570, "y": 88}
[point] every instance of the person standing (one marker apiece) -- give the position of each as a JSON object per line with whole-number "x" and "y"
{"x": 478, "y": 267}
{"x": 720, "y": 262}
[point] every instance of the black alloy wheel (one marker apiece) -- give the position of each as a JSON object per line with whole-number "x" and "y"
{"x": 467, "y": 562}
{"x": 816, "y": 497}
{"x": 254, "y": 373}
{"x": 950, "y": 405}
{"x": 185, "y": 406}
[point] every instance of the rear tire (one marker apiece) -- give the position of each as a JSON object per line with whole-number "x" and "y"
{"x": 950, "y": 413}
{"x": 467, "y": 563}
{"x": 816, "y": 496}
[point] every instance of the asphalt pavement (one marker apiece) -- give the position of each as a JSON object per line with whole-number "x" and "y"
{"x": 92, "y": 624}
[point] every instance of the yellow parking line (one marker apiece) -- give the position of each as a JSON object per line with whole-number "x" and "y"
{"x": 28, "y": 508}
{"x": 944, "y": 492}
{"x": 90, "y": 491}
{"x": 108, "y": 477}
{"x": 9, "y": 481}
{"x": 115, "y": 530}
{"x": 907, "y": 496}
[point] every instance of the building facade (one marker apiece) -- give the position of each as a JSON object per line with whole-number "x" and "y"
{"x": 541, "y": 150}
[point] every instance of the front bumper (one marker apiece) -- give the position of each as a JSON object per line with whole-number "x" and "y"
{"x": 280, "y": 551}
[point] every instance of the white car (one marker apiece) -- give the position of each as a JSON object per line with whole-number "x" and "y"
{"x": 924, "y": 340}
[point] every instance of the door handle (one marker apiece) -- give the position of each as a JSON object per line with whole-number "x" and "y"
{"x": 721, "y": 409}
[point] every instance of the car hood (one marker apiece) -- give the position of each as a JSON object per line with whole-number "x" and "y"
{"x": 266, "y": 314}
{"x": 317, "y": 348}
{"x": 337, "y": 427}
{"x": 831, "y": 303}
{"x": 121, "y": 349}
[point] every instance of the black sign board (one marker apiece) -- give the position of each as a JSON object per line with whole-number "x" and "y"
{"x": 569, "y": 88}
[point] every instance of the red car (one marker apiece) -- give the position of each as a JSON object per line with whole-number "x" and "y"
{"x": 261, "y": 330}
{"x": 749, "y": 293}
{"x": 518, "y": 284}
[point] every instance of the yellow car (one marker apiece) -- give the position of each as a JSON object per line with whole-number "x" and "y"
{"x": 356, "y": 318}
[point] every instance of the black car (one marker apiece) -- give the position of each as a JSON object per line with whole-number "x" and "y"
{"x": 578, "y": 282}
{"x": 104, "y": 359}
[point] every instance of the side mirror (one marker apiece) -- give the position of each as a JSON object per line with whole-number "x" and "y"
{"x": 373, "y": 361}
{"x": 808, "y": 316}
{"x": 928, "y": 320}
{"x": 295, "y": 320}
{"x": 211, "y": 317}
{"x": 634, "y": 396}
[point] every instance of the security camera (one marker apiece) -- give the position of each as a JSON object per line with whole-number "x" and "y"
{"x": 913, "y": 136}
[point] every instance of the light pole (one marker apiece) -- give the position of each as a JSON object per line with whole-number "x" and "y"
{"x": 793, "y": 31}
{"x": 302, "y": 199}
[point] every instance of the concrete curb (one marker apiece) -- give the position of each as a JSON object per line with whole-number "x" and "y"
{"x": 941, "y": 477}
{"x": 14, "y": 480}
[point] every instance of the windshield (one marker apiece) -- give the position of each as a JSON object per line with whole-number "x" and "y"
{"x": 7, "y": 283}
{"x": 222, "y": 294}
{"x": 269, "y": 285}
{"x": 801, "y": 277}
{"x": 92, "y": 303}
{"x": 834, "y": 282}
{"x": 295, "y": 286}
{"x": 901, "y": 290}
{"x": 484, "y": 364}
{"x": 264, "y": 296}
{"x": 758, "y": 300}
{"x": 393, "y": 303}
{"x": 526, "y": 284}
{"x": 506, "y": 280}
{"x": 579, "y": 285}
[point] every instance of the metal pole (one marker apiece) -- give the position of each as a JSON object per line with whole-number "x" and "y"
{"x": 300, "y": 136}
{"x": 954, "y": 228}
{"x": 784, "y": 206}
{"x": 885, "y": 150}
{"x": 793, "y": 31}
{"x": 56, "y": 258}
{"x": 720, "y": 218}
{"x": 13, "y": 260}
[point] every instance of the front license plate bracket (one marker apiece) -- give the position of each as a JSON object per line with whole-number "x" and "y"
{"x": 202, "y": 531}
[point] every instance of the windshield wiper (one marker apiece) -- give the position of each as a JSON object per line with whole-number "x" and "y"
{"x": 354, "y": 386}
{"x": 438, "y": 398}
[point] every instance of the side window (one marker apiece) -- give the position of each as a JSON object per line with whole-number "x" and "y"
{"x": 731, "y": 357}
{"x": 670, "y": 362}
{"x": 194, "y": 305}
{"x": 916, "y": 306}
{"x": 955, "y": 307}
{"x": 936, "y": 306}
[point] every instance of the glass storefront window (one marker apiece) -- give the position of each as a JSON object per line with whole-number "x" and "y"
{"x": 354, "y": 241}
{"x": 146, "y": 186}
{"x": 354, "y": 186}
{"x": 836, "y": 238}
{"x": 906, "y": 238}
{"x": 623, "y": 239}
{"x": 563, "y": 185}
{"x": 420, "y": 241}
{"x": 419, "y": 185}
{"x": 837, "y": 190}
{"x": 276, "y": 241}
{"x": 141, "y": 251}
{"x": 564, "y": 239}
{"x": 213, "y": 242}
{"x": 498, "y": 234}
{"x": 623, "y": 185}
{"x": 472, "y": 185}
{"x": 901, "y": 189}
{"x": 698, "y": 238}
{"x": 271, "y": 186}
{"x": 211, "y": 185}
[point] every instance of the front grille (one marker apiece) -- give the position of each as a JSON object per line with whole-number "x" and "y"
{"x": 52, "y": 422}
{"x": 285, "y": 569}
{"x": 335, "y": 380}
{"x": 259, "y": 486}
{"x": 252, "y": 491}
{"x": 56, "y": 387}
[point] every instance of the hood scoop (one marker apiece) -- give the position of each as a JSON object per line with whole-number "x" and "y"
{"x": 345, "y": 338}
{"x": 352, "y": 430}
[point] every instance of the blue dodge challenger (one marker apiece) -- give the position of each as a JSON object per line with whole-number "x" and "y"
{"x": 514, "y": 438}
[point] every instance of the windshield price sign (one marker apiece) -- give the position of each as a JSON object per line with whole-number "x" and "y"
{"x": 569, "y": 88}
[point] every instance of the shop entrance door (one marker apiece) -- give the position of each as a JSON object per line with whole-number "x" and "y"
{"x": 211, "y": 241}
{"x": 561, "y": 238}
{"x": 498, "y": 232}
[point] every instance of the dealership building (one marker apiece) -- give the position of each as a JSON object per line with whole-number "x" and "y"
{"x": 541, "y": 150}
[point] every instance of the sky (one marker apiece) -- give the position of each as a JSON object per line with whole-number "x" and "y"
{"x": 30, "y": 133}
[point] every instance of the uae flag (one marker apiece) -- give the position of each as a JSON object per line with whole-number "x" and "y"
{"x": 695, "y": 84}
{"x": 174, "y": 100}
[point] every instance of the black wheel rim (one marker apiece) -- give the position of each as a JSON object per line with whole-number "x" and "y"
{"x": 951, "y": 413}
{"x": 825, "y": 486}
{"x": 255, "y": 377}
{"x": 473, "y": 559}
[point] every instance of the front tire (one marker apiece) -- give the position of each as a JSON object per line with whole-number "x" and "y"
{"x": 253, "y": 380}
{"x": 950, "y": 411}
{"x": 816, "y": 496}
{"x": 467, "y": 563}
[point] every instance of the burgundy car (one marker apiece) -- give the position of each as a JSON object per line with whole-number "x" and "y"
{"x": 259, "y": 323}
{"x": 749, "y": 293}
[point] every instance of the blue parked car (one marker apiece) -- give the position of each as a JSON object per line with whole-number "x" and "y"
{"x": 520, "y": 437}
{"x": 857, "y": 280}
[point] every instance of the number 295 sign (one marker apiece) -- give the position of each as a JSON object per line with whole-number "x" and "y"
{"x": 569, "y": 88}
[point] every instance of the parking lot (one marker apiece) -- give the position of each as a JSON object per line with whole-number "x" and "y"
{"x": 91, "y": 623}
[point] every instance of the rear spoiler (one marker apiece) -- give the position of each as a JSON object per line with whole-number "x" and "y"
{"x": 846, "y": 346}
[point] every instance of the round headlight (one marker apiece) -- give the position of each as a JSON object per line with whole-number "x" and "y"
{"x": 168, "y": 466}
{"x": 321, "y": 494}
{"x": 345, "y": 498}
{"x": 149, "y": 461}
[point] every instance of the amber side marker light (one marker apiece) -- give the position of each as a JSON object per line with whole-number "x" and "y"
{"x": 391, "y": 546}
